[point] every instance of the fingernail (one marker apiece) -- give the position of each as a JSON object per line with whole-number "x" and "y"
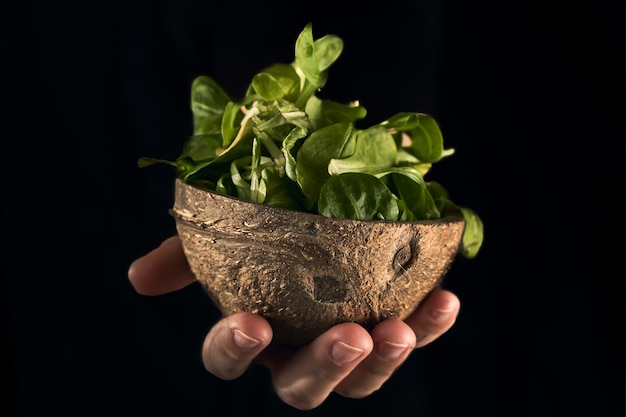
{"x": 243, "y": 340}
{"x": 391, "y": 351}
{"x": 343, "y": 353}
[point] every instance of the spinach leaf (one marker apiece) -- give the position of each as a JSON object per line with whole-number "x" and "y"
{"x": 315, "y": 154}
{"x": 426, "y": 139}
{"x": 374, "y": 150}
{"x": 357, "y": 196}
{"x": 208, "y": 101}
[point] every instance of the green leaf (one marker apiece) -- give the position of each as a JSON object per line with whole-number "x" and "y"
{"x": 209, "y": 125}
{"x": 281, "y": 191}
{"x": 305, "y": 56}
{"x": 413, "y": 191}
{"x": 327, "y": 49}
{"x": 314, "y": 57}
{"x": 327, "y": 112}
{"x": 146, "y": 161}
{"x": 315, "y": 154}
{"x": 426, "y": 139}
{"x": 402, "y": 122}
{"x": 289, "y": 148}
{"x": 357, "y": 196}
{"x": 214, "y": 168}
{"x": 202, "y": 147}
{"x": 208, "y": 101}
{"x": 230, "y": 124}
{"x": 375, "y": 150}
{"x": 437, "y": 191}
{"x": 243, "y": 187}
{"x": 225, "y": 185}
{"x": 257, "y": 186}
{"x": 473, "y": 234}
{"x": 271, "y": 88}
{"x": 407, "y": 159}
{"x": 405, "y": 215}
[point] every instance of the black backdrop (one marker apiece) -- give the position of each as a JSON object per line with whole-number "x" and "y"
{"x": 529, "y": 93}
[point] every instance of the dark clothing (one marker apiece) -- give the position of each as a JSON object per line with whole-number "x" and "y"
{"x": 530, "y": 95}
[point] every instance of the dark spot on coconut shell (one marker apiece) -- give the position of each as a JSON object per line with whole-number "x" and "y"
{"x": 328, "y": 289}
{"x": 312, "y": 228}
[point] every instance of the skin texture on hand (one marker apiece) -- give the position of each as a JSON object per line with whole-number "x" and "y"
{"x": 346, "y": 359}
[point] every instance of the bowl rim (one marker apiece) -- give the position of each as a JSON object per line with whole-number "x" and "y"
{"x": 179, "y": 183}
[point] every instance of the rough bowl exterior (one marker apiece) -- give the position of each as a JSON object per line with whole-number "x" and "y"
{"x": 305, "y": 272}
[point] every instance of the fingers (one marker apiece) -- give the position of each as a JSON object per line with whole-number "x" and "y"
{"x": 346, "y": 359}
{"x": 351, "y": 362}
{"x": 163, "y": 270}
{"x": 393, "y": 341}
{"x": 233, "y": 343}
{"x": 435, "y": 315}
{"x": 305, "y": 379}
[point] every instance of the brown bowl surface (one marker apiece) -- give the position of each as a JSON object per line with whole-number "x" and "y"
{"x": 305, "y": 272}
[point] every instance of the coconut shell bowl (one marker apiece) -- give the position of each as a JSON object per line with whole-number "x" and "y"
{"x": 305, "y": 272}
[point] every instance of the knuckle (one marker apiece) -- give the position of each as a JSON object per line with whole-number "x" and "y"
{"x": 357, "y": 392}
{"x": 222, "y": 362}
{"x": 297, "y": 398}
{"x": 224, "y": 370}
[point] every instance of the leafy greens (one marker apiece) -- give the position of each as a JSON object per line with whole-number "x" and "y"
{"x": 283, "y": 146}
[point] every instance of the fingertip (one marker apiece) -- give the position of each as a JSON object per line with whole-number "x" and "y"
{"x": 395, "y": 332}
{"x": 394, "y": 340}
{"x": 162, "y": 270}
{"x": 233, "y": 343}
{"x": 347, "y": 337}
{"x": 249, "y": 326}
{"x": 435, "y": 316}
{"x": 442, "y": 301}
{"x": 138, "y": 271}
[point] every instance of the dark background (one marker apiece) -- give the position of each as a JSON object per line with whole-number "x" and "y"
{"x": 529, "y": 93}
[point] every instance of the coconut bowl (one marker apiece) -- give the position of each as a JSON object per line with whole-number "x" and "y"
{"x": 305, "y": 272}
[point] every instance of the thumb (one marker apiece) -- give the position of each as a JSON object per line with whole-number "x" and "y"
{"x": 161, "y": 271}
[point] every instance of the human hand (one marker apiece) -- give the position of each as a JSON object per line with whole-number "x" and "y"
{"x": 346, "y": 359}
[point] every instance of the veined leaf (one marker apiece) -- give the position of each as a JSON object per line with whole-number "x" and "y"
{"x": 473, "y": 234}
{"x": 327, "y": 112}
{"x": 230, "y": 124}
{"x": 415, "y": 194}
{"x": 327, "y": 49}
{"x": 313, "y": 57}
{"x": 357, "y": 196}
{"x": 402, "y": 122}
{"x": 208, "y": 100}
{"x": 281, "y": 191}
{"x": 271, "y": 88}
{"x": 374, "y": 151}
{"x": 316, "y": 152}
{"x": 426, "y": 139}
{"x": 202, "y": 147}
{"x": 305, "y": 56}
{"x": 288, "y": 146}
